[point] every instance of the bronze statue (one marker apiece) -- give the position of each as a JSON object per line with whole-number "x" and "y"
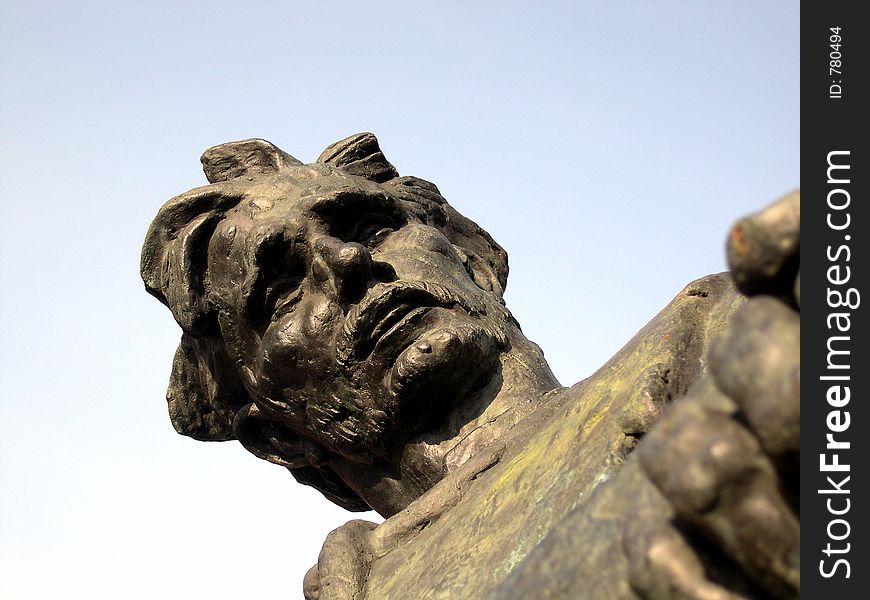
{"x": 348, "y": 324}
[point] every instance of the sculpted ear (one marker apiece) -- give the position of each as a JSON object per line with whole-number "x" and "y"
{"x": 245, "y": 158}
{"x": 360, "y": 155}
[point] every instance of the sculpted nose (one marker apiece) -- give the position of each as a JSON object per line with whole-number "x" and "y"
{"x": 344, "y": 267}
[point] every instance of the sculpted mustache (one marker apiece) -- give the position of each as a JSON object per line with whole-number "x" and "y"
{"x": 362, "y": 318}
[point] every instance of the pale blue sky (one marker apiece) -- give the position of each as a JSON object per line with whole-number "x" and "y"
{"x": 606, "y": 145}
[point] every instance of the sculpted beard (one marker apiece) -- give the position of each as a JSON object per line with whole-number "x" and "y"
{"x": 401, "y": 358}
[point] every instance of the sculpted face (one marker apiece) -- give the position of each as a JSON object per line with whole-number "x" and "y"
{"x": 331, "y": 309}
{"x": 351, "y": 321}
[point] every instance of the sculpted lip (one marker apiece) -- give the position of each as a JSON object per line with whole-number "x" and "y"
{"x": 385, "y": 306}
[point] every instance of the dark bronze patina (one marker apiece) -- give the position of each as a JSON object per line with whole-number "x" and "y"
{"x": 348, "y": 324}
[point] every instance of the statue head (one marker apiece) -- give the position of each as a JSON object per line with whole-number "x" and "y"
{"x": 328, "y": 310}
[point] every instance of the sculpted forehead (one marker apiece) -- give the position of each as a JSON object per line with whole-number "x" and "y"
{"x": 317, "y": 196}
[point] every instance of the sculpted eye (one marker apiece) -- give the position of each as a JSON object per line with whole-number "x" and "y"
{"x": 360, "y": 217}
{"x": 369, "y": 230}
{"x": 279, "y": 277}
{"x": 284, "y": 303}
{"x": 375, "y": 235}
{"x": 280, "y": 295}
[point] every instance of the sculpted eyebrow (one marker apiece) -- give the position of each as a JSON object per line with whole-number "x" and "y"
{"x": 357, "y": 202}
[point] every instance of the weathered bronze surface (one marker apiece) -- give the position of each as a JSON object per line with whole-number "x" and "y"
{"x": 348, "y": 324}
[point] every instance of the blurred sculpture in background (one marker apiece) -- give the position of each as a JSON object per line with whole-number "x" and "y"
{"x": 348, "y": 324}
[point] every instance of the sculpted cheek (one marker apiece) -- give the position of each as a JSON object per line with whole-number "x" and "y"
{"x": 241, "y": 343}
{"x": 429, "y": 239}
{"x": 282, "y": 361}
{"x": 319, "y": 321}
{"x": 281, "y": 345}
